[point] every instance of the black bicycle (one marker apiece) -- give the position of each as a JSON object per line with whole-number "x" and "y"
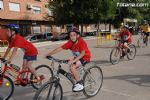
{"x": 92, "y": 77}
{"x": 119, "y": 51}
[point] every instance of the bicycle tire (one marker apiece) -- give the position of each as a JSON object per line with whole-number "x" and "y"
{"x": 132, "y": 50}
{"x": 113, "y": 61}
{"x": 46, "y": 75}
{"x": 9, "y": 83}
{"x": 99, "y": 83}
{"x": 48, "y": 85}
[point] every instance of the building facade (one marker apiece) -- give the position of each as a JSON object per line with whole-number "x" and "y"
{"x": 31, "y": 15}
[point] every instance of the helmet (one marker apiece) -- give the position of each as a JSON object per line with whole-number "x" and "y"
{"x": 13, "y": 27}
{"x": 74, "y": 29}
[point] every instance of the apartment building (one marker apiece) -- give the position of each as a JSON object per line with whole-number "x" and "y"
{"x": 31, "y": 15}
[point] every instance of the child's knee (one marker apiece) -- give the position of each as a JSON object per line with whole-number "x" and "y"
{"x": 74, "y": 67}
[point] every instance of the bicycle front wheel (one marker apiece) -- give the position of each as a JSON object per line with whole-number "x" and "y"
{"x": 49, "y": 91}
{"x": 6, "y": 88}
{"x": 44, "y": 71}
{"x": 132, "y": 53}
{"x": 93, "y": 80}
{"x": 115, "y": 55}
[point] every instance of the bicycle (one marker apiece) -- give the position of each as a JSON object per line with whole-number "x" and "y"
{"x": 9, "y": 71}
{"x": 119, "y": 51}
{"x": 142, "y": 40}
{"x": 52, "y": 90}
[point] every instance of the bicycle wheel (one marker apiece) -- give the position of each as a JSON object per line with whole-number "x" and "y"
{"x": 49, "y": 91}
{"x": 132, "y": 53}
{"x": 115, "y": 55}
{"x": 44, "y": 71}
{"x": 93, "y": 80}
{"x": 6, "y": 88}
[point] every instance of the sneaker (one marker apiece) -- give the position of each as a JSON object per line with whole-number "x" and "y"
{"x": 78, "y": 87}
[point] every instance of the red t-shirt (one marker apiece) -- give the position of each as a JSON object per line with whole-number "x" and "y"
{"x": 26, "y": 46}
{"x": 77, "y": 48}
{"x": 127, "y": 33}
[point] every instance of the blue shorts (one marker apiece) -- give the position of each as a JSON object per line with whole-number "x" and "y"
{"x": 30, "y": 58}
{"x": 83, "y": 62}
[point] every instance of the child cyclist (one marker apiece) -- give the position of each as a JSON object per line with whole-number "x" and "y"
{"x": 126, "y": 37}
{"x": 81, "y": 55}
{"x": 15, "y": 42}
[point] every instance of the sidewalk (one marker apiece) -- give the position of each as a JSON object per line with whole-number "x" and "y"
{"x": 48, "y": 43}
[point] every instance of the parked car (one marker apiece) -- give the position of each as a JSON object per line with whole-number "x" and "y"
{"x": 62, "y": 36}
{"x": 91, "y": 33}
{"x": 48, "y": 36}
{"x": 35, "y": 38}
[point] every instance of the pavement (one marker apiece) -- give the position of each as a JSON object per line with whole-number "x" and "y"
{"x": 127, "y": 80}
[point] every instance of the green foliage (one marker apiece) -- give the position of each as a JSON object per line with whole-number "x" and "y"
{"x": 95, "y": 11}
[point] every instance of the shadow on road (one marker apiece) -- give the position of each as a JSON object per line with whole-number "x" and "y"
{"x": 140, "y": 80}
{"x": 69, "y": 95}
{"x": 103, "y": 62}
{"x": 143, "y": 55}
{"x": 28, "y": 92}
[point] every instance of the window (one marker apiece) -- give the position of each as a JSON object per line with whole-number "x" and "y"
{"x": 1, "y": 5}
{"x": 40, "y": 37}
{"x": 36, "y": 10}
{"x": 36, "y": 29}
{"x": 14, "y": 7}
{"x": 33, "y": 38}
{"x": 47, "y": 29}
{"x": 50, "y": 13}
{"x": 58, "y": 29}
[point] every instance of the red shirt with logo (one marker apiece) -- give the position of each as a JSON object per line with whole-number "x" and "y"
{"x": 126, "y": 33}
{"x": 77, "y": 48}
{"x": 26, "y": 46}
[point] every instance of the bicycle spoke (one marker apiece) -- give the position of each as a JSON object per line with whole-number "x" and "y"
{"x": 93, "y": 81}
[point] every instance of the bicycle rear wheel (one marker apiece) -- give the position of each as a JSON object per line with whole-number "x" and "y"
{"x": 115, "y": 55}
{"x": 49, "y": 91}
{"x": 93, "y": 80}
{"x": 6, "y": 88}
{"x": 132, "y": 53}
{"x": 44, "y": 71}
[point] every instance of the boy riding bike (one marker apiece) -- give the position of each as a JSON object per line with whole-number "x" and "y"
{"x": 146, "y": 30}
{"x": 30, "y": 52}
{"x": 126, "y": 38}
{"x": 81, "y": 54}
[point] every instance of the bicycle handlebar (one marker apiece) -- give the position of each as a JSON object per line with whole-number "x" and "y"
{"x": 117, "y": 39}
{"x": 57, "y": 60}
{"x": 3, "y": 60}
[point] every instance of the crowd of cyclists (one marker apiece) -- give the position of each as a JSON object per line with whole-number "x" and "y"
{"x": 77, "y": 45}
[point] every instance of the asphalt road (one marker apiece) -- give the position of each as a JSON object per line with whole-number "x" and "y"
{"x": 128, "y": 80}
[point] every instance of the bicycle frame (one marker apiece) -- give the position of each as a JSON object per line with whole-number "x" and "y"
{"x": 63, "y": 72}
{"x": 19, "y": 73}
